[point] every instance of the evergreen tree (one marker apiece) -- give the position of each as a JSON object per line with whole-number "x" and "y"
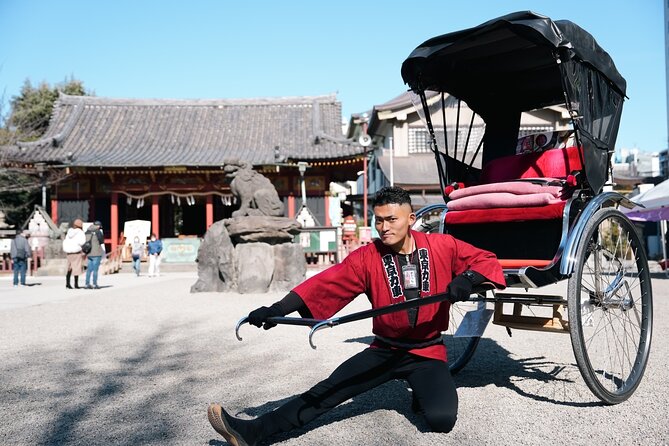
{"x": 28, "y": 119}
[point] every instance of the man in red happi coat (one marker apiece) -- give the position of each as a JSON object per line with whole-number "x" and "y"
{"x": 401, "y": 265}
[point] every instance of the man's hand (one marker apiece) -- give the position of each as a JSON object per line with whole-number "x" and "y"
{"x": 461, "y": 286}
{"x": 259, "y": 316}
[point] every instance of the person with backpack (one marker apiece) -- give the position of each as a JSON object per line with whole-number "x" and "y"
{"x": 19, "y": 251}
{"x": 155, "y": 247}
{"x": 137, "y": 250}
{"x": 96, "y": 238}
{"x": 72, "y": 246}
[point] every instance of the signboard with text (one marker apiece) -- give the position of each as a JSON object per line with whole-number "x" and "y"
{"x": 180, "y": 250}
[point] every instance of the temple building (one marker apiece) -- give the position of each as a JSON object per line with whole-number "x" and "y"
{"x": 162, "y": 160}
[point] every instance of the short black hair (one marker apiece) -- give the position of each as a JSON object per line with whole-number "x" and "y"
{"x": 391, "y": 195}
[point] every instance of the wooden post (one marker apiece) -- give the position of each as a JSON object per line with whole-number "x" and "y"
{"x": 209, "y": 207}
{"x": 291, "y": 206}
{"x": 114, "y": 221}
{"x": 328, "y": 222}
{"x": 155, "y": 215}
{"x": 54, "y": 210}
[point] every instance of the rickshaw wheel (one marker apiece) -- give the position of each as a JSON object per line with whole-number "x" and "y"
{"x": 610, "y": 307}
{"x": 461, "y": 349}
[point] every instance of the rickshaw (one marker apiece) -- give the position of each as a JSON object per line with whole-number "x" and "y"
{"x": 539, "y": 202}
{"x": 470, "y": 88}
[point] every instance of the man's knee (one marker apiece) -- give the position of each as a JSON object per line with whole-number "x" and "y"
{"x": 441, "y": 422}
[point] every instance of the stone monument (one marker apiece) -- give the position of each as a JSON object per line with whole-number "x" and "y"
{"x": 252, "y": 252}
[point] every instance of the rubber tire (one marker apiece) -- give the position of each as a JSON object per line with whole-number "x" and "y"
{"x": 574, "y": 310}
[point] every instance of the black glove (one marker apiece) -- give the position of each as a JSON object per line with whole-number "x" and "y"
{"x": 461, "y": 286}
{"x": 259, "y": 316}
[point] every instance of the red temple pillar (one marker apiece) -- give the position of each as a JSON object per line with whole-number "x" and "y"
{"x": 209, "y": 208}
{"x": 114, "y": 221}
{"x": 54, "y": 211}
{"x": 291, "y": 206}
{"x": 155, "y": 215}
{"x": 327, "y": 211}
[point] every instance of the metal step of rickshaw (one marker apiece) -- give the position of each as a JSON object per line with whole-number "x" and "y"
{"x": 529, "y": 298}
{"x": 556, "y": 322}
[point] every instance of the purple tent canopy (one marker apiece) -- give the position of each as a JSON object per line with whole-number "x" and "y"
{"x": 656, "y": 214}
{"x": 655, "y": 204}
{"x": 656, "y": 208}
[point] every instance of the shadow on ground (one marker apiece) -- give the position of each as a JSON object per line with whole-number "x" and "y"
{"x": 549, "y": 381}
{"x": 109, "y": 387}
{"x": 104, "y": 388}
{"x": 537, "y": 378}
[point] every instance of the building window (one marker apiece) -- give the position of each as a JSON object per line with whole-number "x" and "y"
{"x": 419, "y": 139}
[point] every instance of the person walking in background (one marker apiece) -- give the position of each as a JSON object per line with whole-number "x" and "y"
{"x": 96, "y": 237}
{"x": 72, "y": 246}
{"x": 155, "y": 247}
{"x": 137, "y": 251}
{"x": 19, "y": 251}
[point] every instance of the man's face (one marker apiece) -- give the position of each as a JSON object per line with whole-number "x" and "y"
{"x": 393, "y": 222}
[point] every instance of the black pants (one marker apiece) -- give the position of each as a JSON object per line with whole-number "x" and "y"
{"x": 430, "y": 380}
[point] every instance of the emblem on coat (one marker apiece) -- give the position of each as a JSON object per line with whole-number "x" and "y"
{"x": 394, "y": 279}
{"x": 392, "y": 276}
{"x": 424, "y": 262}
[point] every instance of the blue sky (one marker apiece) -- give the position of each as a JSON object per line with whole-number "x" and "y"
{"x": 252, "y": 48}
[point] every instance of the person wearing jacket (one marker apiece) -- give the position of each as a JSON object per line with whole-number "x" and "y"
{"x": 72, "y": 243}
{"x": 19, "y": 251}
{"x": 137, "y": 250}
{"x": 155, "y": 247}
{"x": 95, "y": 236}
{"x": 401, "y": 265}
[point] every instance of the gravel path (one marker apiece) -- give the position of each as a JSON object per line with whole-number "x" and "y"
{"x": 138, "y": 362}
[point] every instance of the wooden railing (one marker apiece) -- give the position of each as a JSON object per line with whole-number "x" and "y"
{"x": 35, "y": 261}
{"x": 114, "y": 261}
{"x": 5, "y": 264}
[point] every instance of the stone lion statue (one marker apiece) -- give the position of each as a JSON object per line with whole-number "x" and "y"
{"x": 256, "y": 194}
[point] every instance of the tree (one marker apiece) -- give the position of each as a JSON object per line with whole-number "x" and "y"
{"x": 31, "y": 110}
{"x": 28, "y": 119}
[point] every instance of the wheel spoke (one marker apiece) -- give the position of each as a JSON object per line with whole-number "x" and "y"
{"x": 613, "y": 303}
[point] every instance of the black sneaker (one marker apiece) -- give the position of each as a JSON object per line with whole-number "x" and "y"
{"x": 223, "y": 424}
{"x": 88, "y": 287}
{"x": 95, "y": 287}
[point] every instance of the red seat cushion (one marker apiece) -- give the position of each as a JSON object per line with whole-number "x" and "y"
{"x": 553, "y": 163}
{"x": 547, "y": 212}
{"x": 520, "y": 263}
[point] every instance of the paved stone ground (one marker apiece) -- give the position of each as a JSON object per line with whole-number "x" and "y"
{"x": 138, "y": 361}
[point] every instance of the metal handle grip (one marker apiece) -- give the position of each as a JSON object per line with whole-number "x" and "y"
{"x": 241, "y": 322}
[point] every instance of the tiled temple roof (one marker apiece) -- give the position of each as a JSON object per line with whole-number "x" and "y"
{"x": 106, "y": 132}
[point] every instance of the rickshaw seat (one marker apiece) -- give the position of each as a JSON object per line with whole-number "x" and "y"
{"x": 504, "y": 215}
{"x": 552, "y": 163}
{"x": 519, "y": 234}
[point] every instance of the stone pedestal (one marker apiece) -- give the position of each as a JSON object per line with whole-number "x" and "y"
{"x": 216, "y": 267}
{"x": 252, "y": 254}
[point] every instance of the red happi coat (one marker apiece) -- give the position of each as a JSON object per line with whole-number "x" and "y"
{"x": 374, "y": 270}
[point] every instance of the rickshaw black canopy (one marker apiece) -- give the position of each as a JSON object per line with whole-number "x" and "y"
{"x": 524, "y": 61}
{"x": 510, "y": 58}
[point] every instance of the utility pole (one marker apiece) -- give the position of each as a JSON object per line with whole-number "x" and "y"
{"x": 365, "y": 140}
{"x": 40, "y": 170}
